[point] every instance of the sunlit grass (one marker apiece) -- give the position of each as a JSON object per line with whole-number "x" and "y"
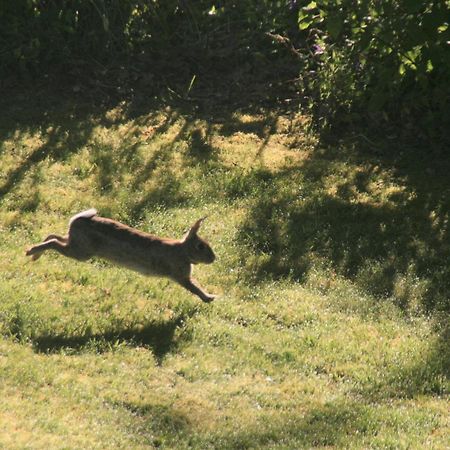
{"x": 319, "y": 337}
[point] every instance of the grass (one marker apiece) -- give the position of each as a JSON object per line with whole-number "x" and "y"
{"x": 332, "y": 272}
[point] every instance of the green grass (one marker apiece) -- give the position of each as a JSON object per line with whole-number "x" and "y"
{"x": 332, "y": 272}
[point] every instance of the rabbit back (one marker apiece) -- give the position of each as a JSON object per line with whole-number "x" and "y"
{"x": 116, "y": 242}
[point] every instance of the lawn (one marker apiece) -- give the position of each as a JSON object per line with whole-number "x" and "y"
{"x": 331, "y": 325}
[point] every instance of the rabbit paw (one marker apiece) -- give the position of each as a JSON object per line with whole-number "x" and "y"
{"x": 209, "y": 298}
{"x": 34, "y": 256}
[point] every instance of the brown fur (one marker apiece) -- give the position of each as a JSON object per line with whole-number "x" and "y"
{"x": 90, "y": 235}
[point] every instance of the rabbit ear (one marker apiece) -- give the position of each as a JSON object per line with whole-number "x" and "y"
{"x": 193, "y": 231}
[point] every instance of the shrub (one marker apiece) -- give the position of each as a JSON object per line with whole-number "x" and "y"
{"x": 382, "y": 61}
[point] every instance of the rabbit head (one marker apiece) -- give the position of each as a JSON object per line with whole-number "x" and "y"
{"x": 197, "y": 248}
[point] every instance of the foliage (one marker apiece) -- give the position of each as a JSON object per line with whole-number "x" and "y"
{"x": 380, "y": 60}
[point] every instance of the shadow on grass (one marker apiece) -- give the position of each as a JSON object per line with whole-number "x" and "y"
{"x": 324, "y": 426}
{"x": 200, "y": 150}
{"x": 53, "y": 127}
{"x": 328, "y": 425}
{"x": 159, "y": 337}
{"x": 392, "y": 241}
{"x": 333, "y": 424}
{"x": 58, "y": 145}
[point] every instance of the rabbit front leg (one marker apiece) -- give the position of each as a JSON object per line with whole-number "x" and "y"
{"x": 191, "y": 285}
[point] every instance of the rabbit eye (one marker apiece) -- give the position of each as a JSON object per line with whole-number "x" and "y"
{"x": 201, "y": 246}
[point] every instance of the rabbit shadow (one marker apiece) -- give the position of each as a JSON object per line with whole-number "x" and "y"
{"x": 159, "y": 337}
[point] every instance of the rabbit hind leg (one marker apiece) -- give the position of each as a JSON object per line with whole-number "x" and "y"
{"x": 61, "y": 245}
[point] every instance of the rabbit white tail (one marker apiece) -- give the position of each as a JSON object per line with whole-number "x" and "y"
{"x": 86, "y": 214}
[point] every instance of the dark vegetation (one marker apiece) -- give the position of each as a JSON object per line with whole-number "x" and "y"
{"x": 382, "y": 64}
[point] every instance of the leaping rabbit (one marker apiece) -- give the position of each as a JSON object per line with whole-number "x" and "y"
{"x": 90, "y": 235}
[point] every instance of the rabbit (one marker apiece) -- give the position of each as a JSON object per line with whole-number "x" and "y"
{"x": 90, "y": 235}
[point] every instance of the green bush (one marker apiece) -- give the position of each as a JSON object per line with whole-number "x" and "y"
{"x": 383, "y": 60}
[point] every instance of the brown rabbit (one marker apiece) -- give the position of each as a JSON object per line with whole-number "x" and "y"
{"x": 90, "y": 235}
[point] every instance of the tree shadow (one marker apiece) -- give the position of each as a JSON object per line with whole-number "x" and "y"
{"x": 378, "y": 242}
{"x": 159, "y": 337}
{"x": 64, "y": 123}
{"x": 60, "y": 141}
{"x": 261, "y": 126}
{"x": 333, "y": 424}
{"x": 200, "y": 150}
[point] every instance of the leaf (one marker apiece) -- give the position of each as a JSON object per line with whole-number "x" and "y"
{"x": 433, "y": 20}
{"x": 304, "y": 20}
{"x": 304, "y": 25}
{"x": 310, "y": 6}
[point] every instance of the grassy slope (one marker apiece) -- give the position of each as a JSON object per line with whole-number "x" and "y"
{"x": 318, "y": 338}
